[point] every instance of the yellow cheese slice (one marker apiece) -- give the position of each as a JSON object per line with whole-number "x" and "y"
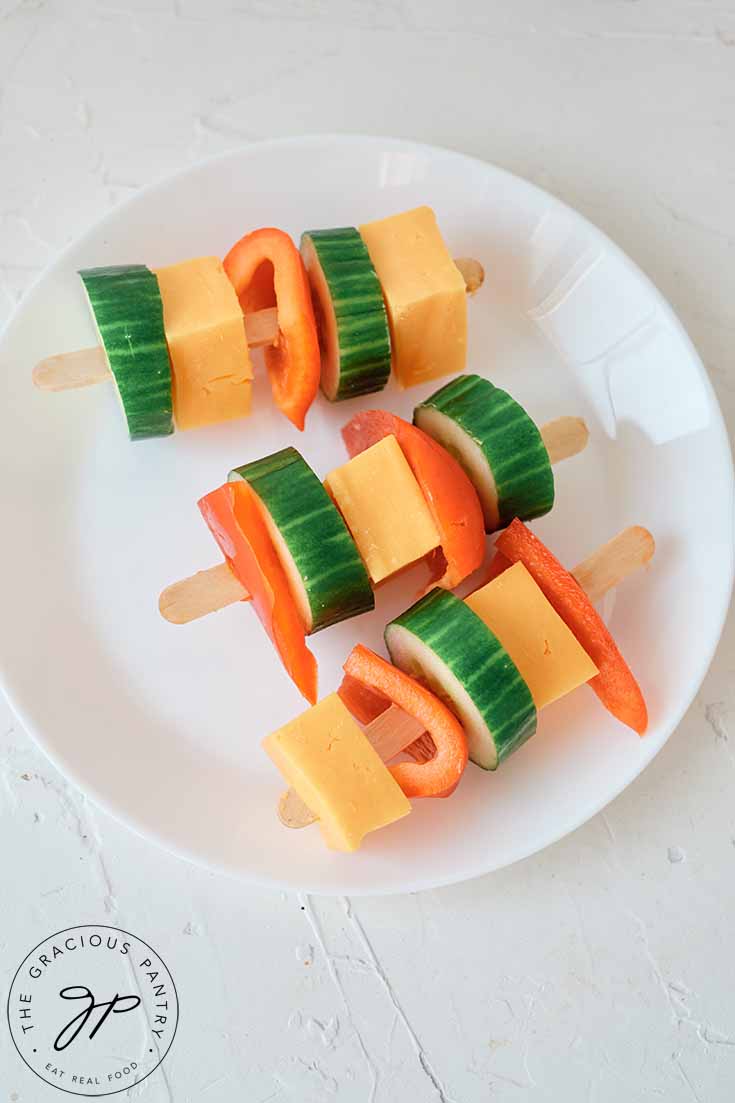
{"x": 205, "y": 331}
{"x": 329, "y": 761}
{"x": 547, "y": 653}
{"x": 384, "y": 509}
{"x": 424, "y": 294}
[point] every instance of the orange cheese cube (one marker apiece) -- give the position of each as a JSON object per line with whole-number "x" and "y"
{"x": 548, "y": 655}
{"x": 424, "y": 294}
{"x": 205, "y": 330}
{"x": 383, "y": 506}
{"x": 331, "y": 764}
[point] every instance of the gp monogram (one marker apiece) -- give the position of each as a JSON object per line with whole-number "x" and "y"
{"x": 93, "y": 1010}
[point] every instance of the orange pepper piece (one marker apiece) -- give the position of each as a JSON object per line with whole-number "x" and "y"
{"x": 450, "y": 496}
{"x": 235, "y": 520}
{"x": 363, "y": 702}
{"x": 440, "y": 775}
{"x": 615, "y": 684}
{"x": 266, "y": 270}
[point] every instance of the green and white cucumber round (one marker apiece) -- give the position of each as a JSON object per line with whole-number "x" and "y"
{"x": 497, "y": 444}
{"x": 127, "y": 309}
{"x": 443, "y": 644}
{"x": 326, "y": 574}
{"x": 351, "y": 318}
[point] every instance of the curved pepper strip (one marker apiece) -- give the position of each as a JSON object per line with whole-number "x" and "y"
{"x": 366, "y": 705}
{"x": 234, "y": 518}
{"x": 615, "y": 684}
{"x": 363, "y": 702}
{"x": 440, "y": 775}
{"x": 266, "y": 270}
{"x": 449, "y": 494}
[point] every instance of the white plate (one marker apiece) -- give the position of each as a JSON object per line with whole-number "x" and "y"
{"x": 162, "y": 725}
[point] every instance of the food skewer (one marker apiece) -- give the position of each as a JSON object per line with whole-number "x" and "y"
{"x": 88, "y": 367}
{"x": 209, "y": 590}
{"x": 393, "y": 731}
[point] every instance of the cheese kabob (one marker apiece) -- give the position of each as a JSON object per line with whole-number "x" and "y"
{"x": 400, "y": 499}
{"x": 175, "y": 341}
{"x": 467, "y": 680}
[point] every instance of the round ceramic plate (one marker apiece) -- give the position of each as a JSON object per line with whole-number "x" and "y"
{"x": 161, "y": 725}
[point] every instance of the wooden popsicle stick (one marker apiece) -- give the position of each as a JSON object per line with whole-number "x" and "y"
{"x": 390, "y": 733}
{"x": 261, "y": 328}
{"x": 202, "y": 593}
{"x": 607, "y": 567}
{"x": 71, "y": 370}
{"x": 563, "y": 438}
{"x": 292, "y": 812}
{"x": 473, "y": 273}
{"x": 86, "y": 367}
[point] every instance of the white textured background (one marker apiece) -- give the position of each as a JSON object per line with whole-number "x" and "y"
{"x": 601, "y": 970}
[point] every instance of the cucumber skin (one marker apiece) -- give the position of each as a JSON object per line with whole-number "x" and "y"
{"x": 430, "y": 620}
{"x": 359, "y": 310}
{"x": 127, "y": 307}
{"x": 509, "y": 439}
{"x": 335, "y": 591}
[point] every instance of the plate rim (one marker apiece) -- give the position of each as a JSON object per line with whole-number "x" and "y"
{"x": 717, "y": 426}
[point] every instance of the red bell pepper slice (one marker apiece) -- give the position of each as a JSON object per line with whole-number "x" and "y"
{"x": 615, "y": 684}
{"x": 236, "y": 522}
{"x": 266, "y": 270}
{"x": 439, "y": 776}
{"x": 449, "y": 494}
{"x": 363, "y": 702}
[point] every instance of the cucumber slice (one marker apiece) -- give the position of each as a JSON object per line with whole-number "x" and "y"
{"x": 497, "y": 444}
{"x": 127, "y": 309}
{"x": 327, "y": 576}
{"x": 350, "y": 313}
{"x": 443, "y": 644}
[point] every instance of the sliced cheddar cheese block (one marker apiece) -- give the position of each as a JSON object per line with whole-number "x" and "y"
{"x": 331, "y": 764}
{"x": 546, "y": 652}
{"x": 205, "y": 330}
{"x": 424, "y": 294}
{"x": 384, "y": 509}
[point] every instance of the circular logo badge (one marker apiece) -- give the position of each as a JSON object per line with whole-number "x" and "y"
{"x": 93, "y": 1010}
